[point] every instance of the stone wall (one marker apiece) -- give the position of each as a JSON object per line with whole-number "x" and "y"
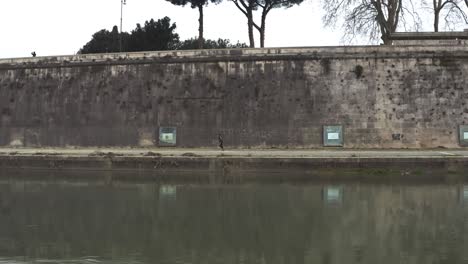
{"x": 384, "y": 97}
{"x": 444, "y": 42}
{"x": 430, "y": 38}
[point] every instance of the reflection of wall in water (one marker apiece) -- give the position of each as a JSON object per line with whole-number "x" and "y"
{"x": 273, "y": 223}
{"x": 398, "y": 224}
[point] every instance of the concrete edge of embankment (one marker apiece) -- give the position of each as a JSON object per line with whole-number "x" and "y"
{"x": 223, "y": 163}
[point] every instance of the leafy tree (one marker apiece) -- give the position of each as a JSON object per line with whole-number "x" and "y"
{"x": 154, "y": 35}
{"x": 210, "y": 44}
{"x": 372, "y": 18}
{"x": 104, "y": 41}
{"x": 247, "y": 7}
{"x": 453, "y": 12}
{"x": 196, "y": 4}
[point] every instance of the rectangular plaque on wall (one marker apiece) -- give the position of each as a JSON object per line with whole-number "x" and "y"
{"x": 333, "y": 136}
{"x": 167, "y": 136}
{"x": 463, "y": 135}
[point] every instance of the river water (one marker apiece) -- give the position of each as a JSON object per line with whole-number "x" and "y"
{"x": 59, "y": 221}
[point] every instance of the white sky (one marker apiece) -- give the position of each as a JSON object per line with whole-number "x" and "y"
{"x": 61, "y": 27}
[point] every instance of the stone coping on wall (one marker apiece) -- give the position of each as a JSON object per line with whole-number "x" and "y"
{"x": 248, "y": 54}
{"x": 429, "y": 35}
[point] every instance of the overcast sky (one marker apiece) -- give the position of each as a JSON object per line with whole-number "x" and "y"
{"x": 62, "y": 27}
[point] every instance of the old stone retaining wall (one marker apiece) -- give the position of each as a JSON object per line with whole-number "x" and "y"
{"x": 383, "y": 97}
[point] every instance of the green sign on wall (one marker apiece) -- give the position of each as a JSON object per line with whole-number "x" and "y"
{"x": 463, "y": 135}
{"x": 167, "y": 136}
{"x": 333, "y": 136}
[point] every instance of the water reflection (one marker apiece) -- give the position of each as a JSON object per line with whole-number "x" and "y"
{"x": 333, "y": 195}
{"x": 63, "y": 222}
{"x": 464, "y": 194}
{"x": 168, "y": 192}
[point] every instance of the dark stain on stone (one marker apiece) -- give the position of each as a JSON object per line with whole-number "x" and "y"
{"x": 447, "y": 62}
{"x": 6, "y": 111}
{"x": 358, "y": 71}
{"x": 160, "y": 100}
{"x": 326, "y": 65}
{"x": 236, "y": 52}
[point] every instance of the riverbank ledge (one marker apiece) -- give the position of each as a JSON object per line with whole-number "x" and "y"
{"x": 238, "y": 162}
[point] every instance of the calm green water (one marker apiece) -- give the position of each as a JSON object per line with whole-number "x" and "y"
{"x": 98, "y": 222}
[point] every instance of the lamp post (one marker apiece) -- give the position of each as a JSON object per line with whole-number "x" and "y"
{"x": 122, "y": 3}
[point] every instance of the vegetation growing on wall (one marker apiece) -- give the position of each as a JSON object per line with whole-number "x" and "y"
{"x": 358, "y": 70}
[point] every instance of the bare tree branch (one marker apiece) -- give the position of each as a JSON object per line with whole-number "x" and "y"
{"x": 454, "y": 13}
{"x": 372, "y": 18}
{"x": 247, "y": 7}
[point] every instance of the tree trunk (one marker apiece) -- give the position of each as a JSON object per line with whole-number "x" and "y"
{"x": 388, "y": 24}
{"x": 262, "y": 30}
{"x": 436, "y": 5}
{"x": 386, "y": 39}
{"x": 385, "y": 34}
{"x": 201, "y": 40}
{"x": 250, "y": 25}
